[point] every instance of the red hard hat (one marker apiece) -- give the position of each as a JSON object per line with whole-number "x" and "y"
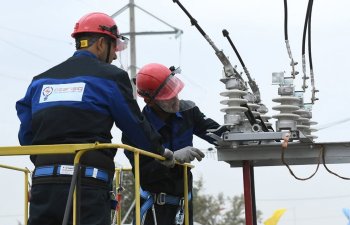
{"x": 157, "y": 81}
{"x": 96, "y": 22}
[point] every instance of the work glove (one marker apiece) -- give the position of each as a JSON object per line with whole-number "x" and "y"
{"x": 169, "y": 159}
{"x": 188, "y": 154}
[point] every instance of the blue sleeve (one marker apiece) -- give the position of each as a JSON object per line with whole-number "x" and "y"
{"x": 202, "y": 124}
{"x": 129, "y": 119}
{"x": 24, "y": 113}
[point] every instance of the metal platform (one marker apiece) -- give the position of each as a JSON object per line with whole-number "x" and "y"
{"x": 294, "y": 154}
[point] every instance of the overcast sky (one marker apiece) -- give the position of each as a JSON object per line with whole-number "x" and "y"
{"x": 35, "y": 35}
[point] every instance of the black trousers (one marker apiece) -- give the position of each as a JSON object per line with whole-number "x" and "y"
{"x": 166, "y": 214}
{"x": 48, "y": 203}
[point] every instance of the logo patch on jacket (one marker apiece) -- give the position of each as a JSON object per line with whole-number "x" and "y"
{"x": 62, "y": 92}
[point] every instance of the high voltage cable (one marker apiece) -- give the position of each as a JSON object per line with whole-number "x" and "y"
{"x": 335, "y": 123}
{"x": 14, "y": 77}
{"x": 35, "y": 35}
{"x": 24, "y": 50}
{"x": 32, "y": 35}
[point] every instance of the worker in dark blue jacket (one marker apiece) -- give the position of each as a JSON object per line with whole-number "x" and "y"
{"x": 78, "y": 101}
{"x": 162, "y": 188}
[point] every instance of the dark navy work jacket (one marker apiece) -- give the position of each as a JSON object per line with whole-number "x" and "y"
{"x": 78, "y": 101}
{"x": 177, "y": 132}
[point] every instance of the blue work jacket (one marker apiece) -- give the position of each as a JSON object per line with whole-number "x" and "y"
{"x": 78, "y": 101}
{"x": 177, "y": 132}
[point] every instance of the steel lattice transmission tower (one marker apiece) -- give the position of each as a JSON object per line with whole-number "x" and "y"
{"x": 132, "y": 34}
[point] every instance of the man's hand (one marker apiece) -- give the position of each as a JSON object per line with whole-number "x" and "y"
{"x": 188, "y": 154}
{"x": 169, "y": 159}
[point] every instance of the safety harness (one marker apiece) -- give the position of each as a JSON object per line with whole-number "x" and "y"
{"x": 67, "y": 170}
{"x": 161, "y": 199}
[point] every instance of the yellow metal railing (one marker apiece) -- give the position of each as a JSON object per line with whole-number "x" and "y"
{"x": 26, "y": 172}
{"x": 117, "y": 176}
{"x": 80, "y": 149}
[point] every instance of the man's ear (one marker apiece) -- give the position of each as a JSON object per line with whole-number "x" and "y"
{"x": 100, "y": 44}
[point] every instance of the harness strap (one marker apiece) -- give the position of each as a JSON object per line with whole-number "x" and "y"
{"x": 67, "y": 170}
{"x": 160, "y": 199}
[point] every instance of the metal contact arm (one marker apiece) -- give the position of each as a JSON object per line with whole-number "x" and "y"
{"x": 229, "y": 70}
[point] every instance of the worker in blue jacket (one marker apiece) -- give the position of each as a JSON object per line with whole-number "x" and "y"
{"x": 162, "y": 188}
{"x": 78, "y": 101}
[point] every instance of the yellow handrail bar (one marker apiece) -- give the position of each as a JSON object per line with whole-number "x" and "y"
{"x": 26, "y": 171}
{"x": 80, "y": 149}
{"x": 137, "y": 187}
{"x": 117, "y": 175}
{"x": 186, "y": 195}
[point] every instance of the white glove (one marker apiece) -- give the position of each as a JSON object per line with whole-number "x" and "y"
{"x": 188, "y": 154}
{"x": 169, "y": 158}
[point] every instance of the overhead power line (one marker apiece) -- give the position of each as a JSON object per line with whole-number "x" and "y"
{"x": 14, "y": 77}
{"x": 24, "y": 50}
{"x": 22, "y": 33}
{"x": 334, "y": 123}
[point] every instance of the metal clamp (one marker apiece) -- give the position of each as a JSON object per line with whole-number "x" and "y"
{"x": 161, "y": 198}
{"x": 182, "y": 203}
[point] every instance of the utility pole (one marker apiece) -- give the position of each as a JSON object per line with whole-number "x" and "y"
{"x": 132, "y": 45}
{"x": 132, "y": 35}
